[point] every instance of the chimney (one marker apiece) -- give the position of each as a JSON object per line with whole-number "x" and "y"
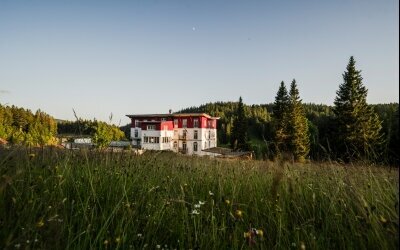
{"x": 170, "y": 111}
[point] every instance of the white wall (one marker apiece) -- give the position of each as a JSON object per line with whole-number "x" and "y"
{"x": 203, "y": 140}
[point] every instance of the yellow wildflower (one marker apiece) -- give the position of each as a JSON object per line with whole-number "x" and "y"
{"x": 260, "y": 232}
{"x": 246, "y": 235}
{"x": 239, "y": 213}
{"x": 117, "y": 240}
{"x": 105, "y": 242}
{"x": 227, "y": 202}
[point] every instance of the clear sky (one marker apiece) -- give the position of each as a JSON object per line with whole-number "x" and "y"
{"x": 127, "y": 57}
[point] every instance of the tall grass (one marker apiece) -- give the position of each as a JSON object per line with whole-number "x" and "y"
{"x": 55, "y": 199}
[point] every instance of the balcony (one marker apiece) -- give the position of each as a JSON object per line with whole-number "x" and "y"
{"x": 183, "y": 137}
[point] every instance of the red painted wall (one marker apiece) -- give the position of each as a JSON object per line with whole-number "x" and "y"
{"x": 204, "y": 122}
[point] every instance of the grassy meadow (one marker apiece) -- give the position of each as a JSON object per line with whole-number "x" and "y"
{"x": 57, "y": 199}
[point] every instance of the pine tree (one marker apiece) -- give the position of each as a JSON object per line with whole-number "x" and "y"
{"x": 358, "y": 126}
{"x": 281, "y": 102}
{"x": 239, "y": 129}
{"x": 297, "y": 126}
{"x": 280, "y": 108}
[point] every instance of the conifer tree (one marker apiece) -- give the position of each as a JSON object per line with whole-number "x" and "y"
{"x": 281, "y": 102}
{"x": 358, "y": 126}
{"x": 239, "y": 129}
{"x": 280, "y": 108}
{"x": 297, "y": 126}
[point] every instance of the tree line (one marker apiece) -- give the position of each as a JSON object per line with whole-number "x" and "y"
{"x": 100, "y": 132}
{"x": 349, "y": 130}
{"x": 23, "y": 127}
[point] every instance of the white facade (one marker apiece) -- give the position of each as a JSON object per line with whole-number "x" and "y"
{"x": 176, "y": 140}
{"x": 164, "y": 133}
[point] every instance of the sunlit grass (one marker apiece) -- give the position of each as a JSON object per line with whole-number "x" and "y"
{"x": 56, "y": 199}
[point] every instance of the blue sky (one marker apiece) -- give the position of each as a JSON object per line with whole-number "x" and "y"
{"x": 126, "y": 57}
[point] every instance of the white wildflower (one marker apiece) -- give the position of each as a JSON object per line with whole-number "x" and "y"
{"x": 195, "y": 212}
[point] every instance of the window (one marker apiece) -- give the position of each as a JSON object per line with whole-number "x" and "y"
{"x": 184, "y": 134}
{"x": 195, "y": 146}
{"x": 151, "y": 127}
{"x": 209, "y": 123}
{"x": 175, "y": 144}
{"x": 184, "y": 146}
{"x": 136, "y": 133}
{"x": 175, "y": 123}
{"x": 196, "y": 123}
{"x": 163, "y": 119}
{"x": 145, "y": 139}
{"x": 136, "y": 123}
{"x": 184, "y": 123}
{"x": 195, "y": 135}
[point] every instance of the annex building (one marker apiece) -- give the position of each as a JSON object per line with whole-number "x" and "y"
{"x": 189, "y": 133}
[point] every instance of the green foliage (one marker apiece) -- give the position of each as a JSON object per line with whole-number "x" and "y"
{"x": 297, "y": 126}
{"x": 280, "y": 114}
{"x": 389, "y": 115}
{"x": 101, "y": 132}
{"x": 104, "y": 134}
{"x": 291, "y": 125}
{"x": 358, "y": 126}
{"x": 58, "y": 199}
{"x": 239, "y": 140}
{"x": 281, "y": 103}
{"x": 20, "y": 126}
